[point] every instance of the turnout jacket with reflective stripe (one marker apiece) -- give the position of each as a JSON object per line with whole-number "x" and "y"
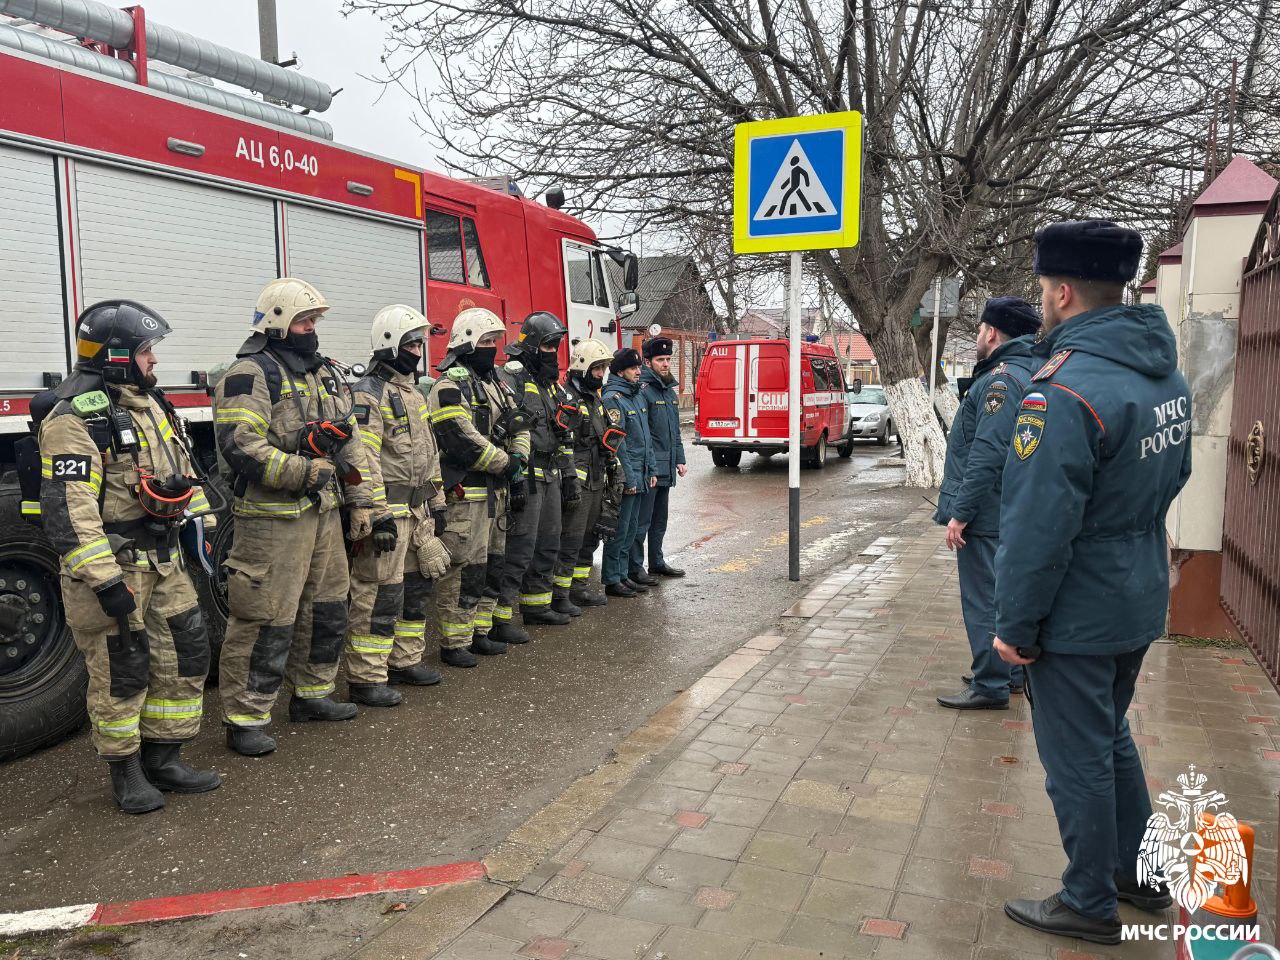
{"x": 394, "y": 424}
{"x": 464, "y": 408}
{"x": 75, "y": 475}
{"x": 260, "y": 406}
{"x": 593, "y": 462}
{"x": 551, "y": 445}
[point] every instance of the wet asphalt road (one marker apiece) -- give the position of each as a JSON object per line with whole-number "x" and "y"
{"x": 446, "y": 775}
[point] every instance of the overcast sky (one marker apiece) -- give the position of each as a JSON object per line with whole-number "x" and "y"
{"x": 341, "y": 51}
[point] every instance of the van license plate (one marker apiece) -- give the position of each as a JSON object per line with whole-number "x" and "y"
{"x": 722, "y": 424}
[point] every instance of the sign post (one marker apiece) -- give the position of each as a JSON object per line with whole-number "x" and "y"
{"x": 796, "y": 186}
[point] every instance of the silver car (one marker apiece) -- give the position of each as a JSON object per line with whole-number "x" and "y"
{"x": 869, "y": 415}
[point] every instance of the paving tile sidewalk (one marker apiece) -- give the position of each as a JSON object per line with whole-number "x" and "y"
{"x": 825, "y": 807}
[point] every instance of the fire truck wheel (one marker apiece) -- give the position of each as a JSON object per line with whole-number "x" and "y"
{"x": 845, "y": 449}
{"x": 816, "y": 456}
{"x": 212, "y": 591}
{"x": 42, "y": 675}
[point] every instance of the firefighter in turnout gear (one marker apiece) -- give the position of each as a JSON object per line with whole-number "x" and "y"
{"x": 596, "y": 467}
{"x": 533, "y": 543}
{"x": 391, "y": 588}
{"x": 284, "y": 425}
{"x": 116, "y": 483}
{"x": 484, "y": 454}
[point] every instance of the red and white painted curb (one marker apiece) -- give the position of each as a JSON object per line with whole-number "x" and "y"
{"x": 243, "y": 898}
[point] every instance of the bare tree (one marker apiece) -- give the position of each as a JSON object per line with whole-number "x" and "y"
{"x": 981, "y": 120}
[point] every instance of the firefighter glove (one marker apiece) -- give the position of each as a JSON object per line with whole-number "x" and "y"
{"x": 433, "y": 558}
{"x": 384, "y": 534}
{"x": 519, "y": 468}
{"x": 117, "y": 600}
{"x": 319, "y": 473}
{"x": 440, "y": 518}
{"x": 519, "y": 495}
{"x": 360, "y": 523}
{"x": 569, "y": 490}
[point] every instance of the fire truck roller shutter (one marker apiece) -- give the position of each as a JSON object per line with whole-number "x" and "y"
{"x": 31, "y": 311}
{"x": 360, "y": 265}
{"x": 197, "y": 254}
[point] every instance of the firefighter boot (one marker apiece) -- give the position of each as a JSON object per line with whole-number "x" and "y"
{"x": 165, "y": 769}
{"x": 302, "y": 709}
{"x": 419, "y": 675}
{"x": 373, "y": 694}
{"x": 582, "y": 597}
{"x": 132, "y": 791}
{"x": 505, "y": 631}
{"x": 249, "y": 741}
{"x": 544, "y": 616}
{"x": 566, "y": 606}
{"x": 487, "y": 647}
{"x": 457, "y": 657}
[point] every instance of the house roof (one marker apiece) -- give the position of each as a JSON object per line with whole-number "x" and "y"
{"x": 1149, "y": 286}
{"x": 1173, "y": 254}
{"x": 1243, "y": 187}
{"x": 659, "y": 280}
{"x": 850, "y": 346}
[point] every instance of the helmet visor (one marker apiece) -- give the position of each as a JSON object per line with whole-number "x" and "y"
{"x": 413, "y": 336}
{"x": 148, "y": 344}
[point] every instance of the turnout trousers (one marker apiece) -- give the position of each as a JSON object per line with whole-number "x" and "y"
{"x": 388, "y": 611}
{"x": 975, "y": 563}
{"x": 149, "y": 685}
{"x": 537, "y": 582}
{"x": 461, "y": 594}
{"x": 1093, "y": 773}
{"x": 577, "y": 535}
{"x": 287, "y": 587}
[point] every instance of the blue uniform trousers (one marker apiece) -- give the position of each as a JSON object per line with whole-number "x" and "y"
{"x": 614, "y": 566}
{"x": 976, "y": 564}
{"x": 1093, "y": 773}
{"x": 653, "y": 527}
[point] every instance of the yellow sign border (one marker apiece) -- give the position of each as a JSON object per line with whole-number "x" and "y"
{"x": 743, "y": 133}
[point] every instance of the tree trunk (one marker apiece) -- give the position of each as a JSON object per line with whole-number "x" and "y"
{"x": 923, "y": 443}
{"x": 945, "y": 402}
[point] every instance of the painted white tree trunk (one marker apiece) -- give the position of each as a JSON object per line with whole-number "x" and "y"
{"x": 947, "y": 404}
{"x": 924, "y": 446}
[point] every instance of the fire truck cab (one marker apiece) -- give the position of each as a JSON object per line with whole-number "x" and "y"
{"x": 112, "y": 188}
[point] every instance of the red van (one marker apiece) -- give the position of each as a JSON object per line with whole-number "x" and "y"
{"x": 741, "y": 397}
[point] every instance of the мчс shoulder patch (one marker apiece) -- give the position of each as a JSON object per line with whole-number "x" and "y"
{"x": 994, "y": 402}
{"x": 1050, "y": 368}
{"x": 615, "y": 416}
{"x": 69, "y": 466}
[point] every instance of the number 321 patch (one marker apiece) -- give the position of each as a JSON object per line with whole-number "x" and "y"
{"x": 69, "y": 467}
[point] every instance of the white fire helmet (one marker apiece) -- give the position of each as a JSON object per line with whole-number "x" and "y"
{"x": 587, "y": 353}
{"x": 396, "y": 325}
{"x": 284, "y": 300}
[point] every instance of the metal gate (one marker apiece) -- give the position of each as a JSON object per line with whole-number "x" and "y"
{"x": 1251, "y": 528}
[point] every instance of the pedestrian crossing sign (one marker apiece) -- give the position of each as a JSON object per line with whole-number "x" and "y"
{"x": 797, "y": 183}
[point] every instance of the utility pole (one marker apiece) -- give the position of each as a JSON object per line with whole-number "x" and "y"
{"x": 933, "y": 350}
{"x": 268, "y": 42}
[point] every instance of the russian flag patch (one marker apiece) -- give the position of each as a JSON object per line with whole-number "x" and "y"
{"x": 1035, "y": 401}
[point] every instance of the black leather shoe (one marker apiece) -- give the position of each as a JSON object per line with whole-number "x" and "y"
{"x": 249, "y": 741}
{"x": 619, "y": 589}
{"x": 543, "y": 617}
{"x": 968, "y": 700}
{"x": 505, "y": 631}
{"x": 566, "y": 606}
{"x": 633, "y": 585}
{"x": 1051, "y": 915}
{"x": 666, "y": 570}
{"x": 582, "y": 597}
{"x": 1153, "y": 899}
{"x": 131, "y": 790}
{"x": 302, "y": 709}
{"x": 419, "y": 675}
{"x": 486, "y": 646}
{"x": 967, "y": 680}
{"x": 373, "y": 694}
{"x": 642, "y": 578}
{"x": 457, "y": 657}
{"x": 166, "y": 770}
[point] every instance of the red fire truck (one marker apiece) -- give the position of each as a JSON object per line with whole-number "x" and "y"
{"x": 112, "y": 187}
